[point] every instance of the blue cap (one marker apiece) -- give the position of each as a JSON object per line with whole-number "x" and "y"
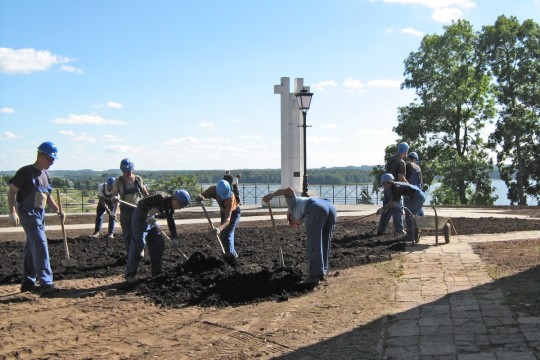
{"x": 182, "y": 196}
{"x": 387, "y": 177}
{"x": 110, "y": 180}
{"x": 402, "y": 148}
{"x": 223, "y": 189}
{"x": 413, "y": 155}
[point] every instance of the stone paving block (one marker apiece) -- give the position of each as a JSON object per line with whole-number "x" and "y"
{"x": 401, "y": 352}
{"x": 435, "y": 321}
{"x": 504, "y": 329}
{"x": 530, "y": 331}
{"x": 478, "y": 356}
{"x": 465, "y": 314}
{"x": 403, "y": 328}
{"x": 506, "y": 339}
{"x": 514, "y": 355}
{"x": 402, "y": 341}
{"x": 410, "y": 314}
{"x": 409, "y": 296}
{"x": 436, "y": 330}
{"x": 529, "y": 320}
{"x": 437, "y": 346}
{"x": 472, "y": 326}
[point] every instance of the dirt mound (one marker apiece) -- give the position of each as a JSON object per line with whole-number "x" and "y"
{"x": 206, "y": 280}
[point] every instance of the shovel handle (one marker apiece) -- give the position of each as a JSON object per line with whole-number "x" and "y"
{"x": 126, "y": 203}
{"x": 212, "y": 226}
{"x": 66, "y": 249}
{"x": 272, "y": 217}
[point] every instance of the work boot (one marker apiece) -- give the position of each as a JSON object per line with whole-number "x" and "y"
{"x": 95, "y": 234}
{"x": 46, "y": 290}
{"x": 109, "y": 236}
{"x": 130, "y": 280}
{"x": 29, "y": 287}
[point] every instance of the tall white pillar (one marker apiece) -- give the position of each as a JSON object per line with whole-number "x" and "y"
{"x": 292, "y": 137}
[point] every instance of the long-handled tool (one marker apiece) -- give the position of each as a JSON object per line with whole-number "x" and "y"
{"x": 67, "y": 261}
{"x": 109, "y": 212}
{"x": 212, "y": 227}
{"x": 275, "y": 229}
{"x": 126, "y": 203}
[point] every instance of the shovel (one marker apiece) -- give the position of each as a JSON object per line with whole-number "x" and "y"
{"x": 67, "y": 261}
{"x": 212, "y": 227}
{"x": 275, "y": 229}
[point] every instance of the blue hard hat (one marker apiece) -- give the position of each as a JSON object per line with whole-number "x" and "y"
{"x": 223, "y": 189}
{"x": 127, "y": 165}
{"x": 402, "y": 148}
{"x": 110, "y": 180}
{"x": 387, "y": 177}
{"x": 48, "y": 148}
{"x": 413, "y": 155}
{"x": 182, "y": 196}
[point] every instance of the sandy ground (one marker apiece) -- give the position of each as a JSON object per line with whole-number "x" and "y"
{"x": 91, "y": 319}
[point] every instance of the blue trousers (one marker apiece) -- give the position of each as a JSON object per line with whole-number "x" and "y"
{"x": 414, "y": 204}
{"x": 99, "y": 217}
{"x": 396, "y": 213}
{"x": 126, "y": 212}
{"x": 36, "y": 265}
{"x": 227, "y": 235}
{"x": 320, "y": 220}
{"x": 143, "y": 235}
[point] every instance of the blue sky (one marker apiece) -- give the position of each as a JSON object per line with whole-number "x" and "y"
{"x": 177, "y": 84}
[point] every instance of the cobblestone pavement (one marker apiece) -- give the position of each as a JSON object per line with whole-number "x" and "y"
{"x": 446, "y": 308}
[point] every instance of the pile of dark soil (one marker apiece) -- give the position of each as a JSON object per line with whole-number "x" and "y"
{"x": 205, "y": 279}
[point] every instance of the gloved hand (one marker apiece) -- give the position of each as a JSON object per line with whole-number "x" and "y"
{"x": 380, "y": 211}
{"x": 199, "y": 198}
{"x": 175, "y": 243}
{"x": 14, "y": 219}
{"x": 215, "y": 231}
{"x": 151, "y": 221}
{"x": 61, "y": 215}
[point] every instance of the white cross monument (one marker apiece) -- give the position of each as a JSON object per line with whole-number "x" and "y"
{"x": 292, "y": 156}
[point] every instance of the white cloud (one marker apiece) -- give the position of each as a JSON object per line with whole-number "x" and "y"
{"x": 8, "y": 135}
{"x": 111, "y": 138}
{"x": 87, "y": 119}
{"x": 446, "y": 15}
{"x": 329, "y": 126}
{"x": 249, "y": 137}
{"x": 207, "y": 125}
{"x": 412, "y": 31}
{"x": 444, "y": 11}
{"x": 322, "y": 85}
{"x": 184, "y": 140}
{"x": 6, "y": 110}
{"x": 385, "y": 83}
{"x": 26, "y": 61}
{"x": 114, "y": 105}
{"x": 71, "y": 69}
{"x": 122, "y": 149}
{"x": 77, "y": 137}
{"x": 354, "y": 85}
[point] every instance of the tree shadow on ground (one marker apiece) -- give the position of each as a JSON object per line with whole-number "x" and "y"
{"x": 475, "y": 323}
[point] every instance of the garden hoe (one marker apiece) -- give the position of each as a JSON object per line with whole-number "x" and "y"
{"x": 67, "y": 262}
{"x": 275, "y": 229}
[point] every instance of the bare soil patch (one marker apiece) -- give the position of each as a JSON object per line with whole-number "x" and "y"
{"x": 253, "y": 311}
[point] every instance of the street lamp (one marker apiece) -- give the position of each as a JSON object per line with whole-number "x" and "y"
{"x": 304, "y": 101}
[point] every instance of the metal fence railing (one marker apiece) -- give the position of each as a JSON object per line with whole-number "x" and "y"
{"x": 76, "y": 201}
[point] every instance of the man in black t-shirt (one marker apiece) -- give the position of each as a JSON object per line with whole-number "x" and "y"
{"x": 28, "y": 195}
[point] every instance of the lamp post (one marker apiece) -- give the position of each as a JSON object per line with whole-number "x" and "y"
{"x": 304, "y": 101}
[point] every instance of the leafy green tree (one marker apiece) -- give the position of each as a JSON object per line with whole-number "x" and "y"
{"x": 452, "y": 106}
{"x": 512, "y": 51}
{"x": 4, "y": 186}
{"x": 172, "y": 183}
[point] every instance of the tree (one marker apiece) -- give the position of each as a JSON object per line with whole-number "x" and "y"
{"x": 172, "y": 183}
{"x": 512, "y": 51}
{"x": 452, "y": 106}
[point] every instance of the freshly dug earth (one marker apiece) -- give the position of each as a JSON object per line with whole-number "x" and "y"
{"x": 206, "y": 280}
